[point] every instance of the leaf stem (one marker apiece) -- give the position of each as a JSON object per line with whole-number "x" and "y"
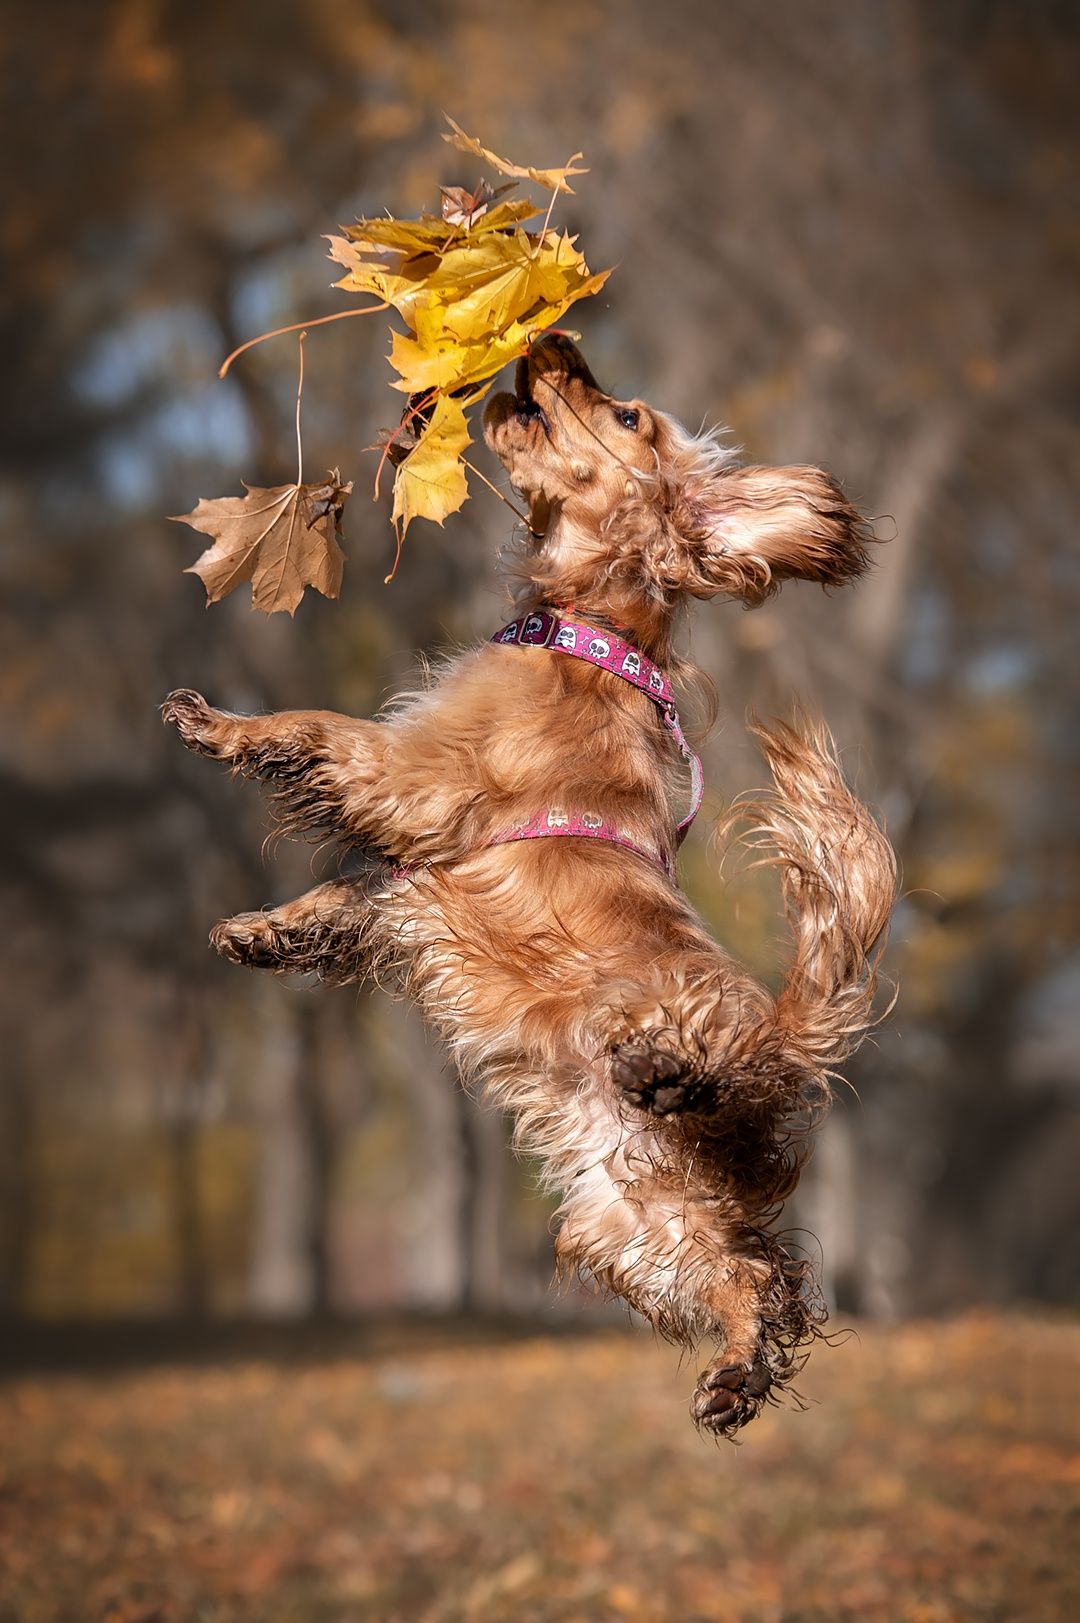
{"x": 319, "y": 321}
{"x": 484, "y": 480}
{"x": 550, "y": 210}
{"x": 299, "y": 396}
{"x": 399, "y": 541}
{"x": 547, "y": 220}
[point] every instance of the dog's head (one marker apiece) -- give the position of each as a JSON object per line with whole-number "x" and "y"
{"x": 625, "y": 504}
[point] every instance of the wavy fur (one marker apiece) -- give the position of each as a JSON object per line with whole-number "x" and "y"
{"x": 666, "y": 1093}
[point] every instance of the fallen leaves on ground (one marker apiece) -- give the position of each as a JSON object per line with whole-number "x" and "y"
{"x": 281, "y": 539}
{"x": 552, "y": 1480}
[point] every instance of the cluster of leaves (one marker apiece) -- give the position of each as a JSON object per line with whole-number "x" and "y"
{"x": 474, "y": 288}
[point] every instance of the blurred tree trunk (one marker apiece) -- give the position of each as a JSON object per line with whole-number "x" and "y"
{"x": 319, "y": 1138}
{"x": 18, "y": 1182}
{"x": 289, "y": 1248}
{"x": 466, "y": 1171}
{"x": 483, "y": 1212}
{"x": 183, "y": 1126}
{"x": 189, "y": 1239}
{"x": 438, "y": 1246}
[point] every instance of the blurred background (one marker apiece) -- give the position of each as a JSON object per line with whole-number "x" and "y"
{"x": 850, "y": 233}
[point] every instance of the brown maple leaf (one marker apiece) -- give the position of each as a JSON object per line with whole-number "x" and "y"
{"x": 398, "y": 443}
{"x": 281, "y": 539}
{"x": 462, "y": 207}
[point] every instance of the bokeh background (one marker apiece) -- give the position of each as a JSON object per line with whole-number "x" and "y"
{"x": 848, "y": 231}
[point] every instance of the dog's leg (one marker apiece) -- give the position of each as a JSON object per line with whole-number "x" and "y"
{"x": 325, "y": 769}
{"x": 326, "y": 932}
{"x": 650, "y": 1226}
{"x": 707, "y": 1042}
{"x": 765, "y": 1314}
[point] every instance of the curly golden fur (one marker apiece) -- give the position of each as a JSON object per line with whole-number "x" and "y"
{"x": 665, "y": 1091}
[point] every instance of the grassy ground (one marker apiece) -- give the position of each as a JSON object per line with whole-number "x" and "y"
{"x": 931, "y": 1479}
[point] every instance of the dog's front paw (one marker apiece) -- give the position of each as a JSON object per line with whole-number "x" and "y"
{"x": 201, "y": 727}
{"x": 249, "y": 939}
{"x": 727, "y": 1396}
{"x": 654, "y": 1079}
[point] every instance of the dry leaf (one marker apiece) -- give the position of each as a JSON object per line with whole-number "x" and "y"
{"x": 397, "y": 443}
{"x": 431, "y": 234}
{"x": 281, "y": 539}
{"x": 474, "y": 288}
{"x": 556, "y": 180}
{"x": 398, "y": 288}
{"x": 462, "y": 207}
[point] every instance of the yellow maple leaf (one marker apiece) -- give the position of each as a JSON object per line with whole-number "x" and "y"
{"x": 431, "y": 483}
{"x": 396, "y": 287}
{"x": 485, "y": 289}
{"x": 431, "y": 361}
{"x": 386, "y": 235}
{"x": 556, "y": 180}
{"x": 474, "y": 288}
{"x": 430, "y": 233}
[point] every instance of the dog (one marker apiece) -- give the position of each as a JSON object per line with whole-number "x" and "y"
{"x": 525, "y": 804}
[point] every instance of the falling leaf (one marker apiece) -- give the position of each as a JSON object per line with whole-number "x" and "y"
{"x": 430, "y": 483}
{"x": 484, "y": 304}
{"x": 397, "y": 443}
{"x": 280, "y": 539}
{"x": 398, "y": 288}
{"x": 556, "y": 180}
{"x": 474, "y": 287}
{"x": 462, "y": 207}
{"x": 430, "y": 233}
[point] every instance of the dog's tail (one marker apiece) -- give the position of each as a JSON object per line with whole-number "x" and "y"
{"x": 839, "y": 879}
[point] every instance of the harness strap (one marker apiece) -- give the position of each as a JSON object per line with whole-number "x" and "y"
{"x": 606, "y": 649}
{"x": 554, "y": 823}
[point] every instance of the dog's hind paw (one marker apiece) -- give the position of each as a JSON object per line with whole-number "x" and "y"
{"x": 654, "y": 1079}
{"x": 728, "y": 1396}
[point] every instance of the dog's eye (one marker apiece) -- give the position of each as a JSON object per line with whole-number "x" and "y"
{"x": 626, "y": 416}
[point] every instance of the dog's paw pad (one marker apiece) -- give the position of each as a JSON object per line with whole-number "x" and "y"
{"x": 650, "y": 1078}
{"x": 729, "y": 1396}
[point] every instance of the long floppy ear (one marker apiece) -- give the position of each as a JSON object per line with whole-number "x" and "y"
{"x": 752, "y": 528}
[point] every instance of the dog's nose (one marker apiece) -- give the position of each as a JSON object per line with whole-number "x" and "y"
{"x": 552, "y": 353}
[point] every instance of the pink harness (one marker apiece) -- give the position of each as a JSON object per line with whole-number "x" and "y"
{"x": 545, "y": 629}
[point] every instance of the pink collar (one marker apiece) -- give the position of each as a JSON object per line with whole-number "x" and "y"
{"x": 543, "y": 628}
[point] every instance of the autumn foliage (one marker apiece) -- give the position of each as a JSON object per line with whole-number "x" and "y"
{"x": 547, "y": 1480}
{"x": 473, "y": 288}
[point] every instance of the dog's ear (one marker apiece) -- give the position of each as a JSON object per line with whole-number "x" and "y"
{"x": 749, "y": 529}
